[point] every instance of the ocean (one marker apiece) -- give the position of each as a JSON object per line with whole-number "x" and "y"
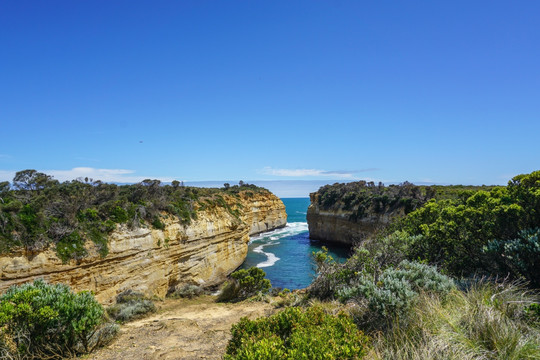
{"x": 285, "y": 254}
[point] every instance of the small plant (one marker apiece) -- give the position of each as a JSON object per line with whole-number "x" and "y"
{"x": 244, "y": 284}
{"x": 45, "y": 321}
{"x": 297, "y": 334}
{"x": 188, "y": 291}
{"x": 390, "y": 295}
{"x": 130, "y": 305}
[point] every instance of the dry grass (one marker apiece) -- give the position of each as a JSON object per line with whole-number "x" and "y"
{"x": 485, "y": 322}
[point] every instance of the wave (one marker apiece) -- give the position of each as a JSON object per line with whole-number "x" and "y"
{"x": 271, "y": 259}
{"x": 290, "y": 229}
{"x": 272, "y": 237}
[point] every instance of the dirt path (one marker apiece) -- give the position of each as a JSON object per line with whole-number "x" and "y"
{"x": 181, "y": 329}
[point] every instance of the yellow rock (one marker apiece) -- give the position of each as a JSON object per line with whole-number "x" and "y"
{"x": 152, "y": 261}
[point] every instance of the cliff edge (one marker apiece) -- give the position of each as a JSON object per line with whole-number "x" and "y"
{"x": 153, "y": 261}
{"x": 353, "y": 212}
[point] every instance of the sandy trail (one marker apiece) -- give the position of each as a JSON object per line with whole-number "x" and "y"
{"x": 181, "y": 329}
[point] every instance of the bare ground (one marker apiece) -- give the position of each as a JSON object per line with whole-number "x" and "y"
{"x": 181, "y": 329}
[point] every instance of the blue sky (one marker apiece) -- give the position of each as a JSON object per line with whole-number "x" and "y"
{"x": 319, "y": 91}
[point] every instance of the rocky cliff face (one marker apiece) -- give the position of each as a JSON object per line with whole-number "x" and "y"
{"x": 337, "y": 225}
{"x": 153, "y": 261}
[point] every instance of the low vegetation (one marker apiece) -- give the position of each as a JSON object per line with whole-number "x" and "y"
{"x": 43, "y": 321}
{"x": 130, "y": 305}
{"x": 362, "y": 199}
{"x": 297, "y": 334}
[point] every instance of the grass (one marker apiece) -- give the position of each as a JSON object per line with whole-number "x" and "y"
{"x": 484, "y": 322}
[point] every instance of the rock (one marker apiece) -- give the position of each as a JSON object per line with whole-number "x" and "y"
{"x": 151, "y": 261}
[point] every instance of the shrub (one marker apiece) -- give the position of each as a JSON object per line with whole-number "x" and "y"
{"x": 388, "y": 300}
{"x": 484, "y": 322}
{"x": 130, "y": 305}
{"x": 41, "y": 320}
{"x": 519, "y": 256}
{"x": 188, "y": 291}
{"x": 244, "y": 284}
{"x": 297, "y": 334}
{"x": 390, "y": 295}
{"x": 423, "y": 277}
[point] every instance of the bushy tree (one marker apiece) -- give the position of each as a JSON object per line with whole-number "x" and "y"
{"x": 41, "y": 320}
{"x": 245, "y": 283}
{"x": 296, "y": 334}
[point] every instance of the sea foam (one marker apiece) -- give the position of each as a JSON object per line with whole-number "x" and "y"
{"x": 271, "y": 237}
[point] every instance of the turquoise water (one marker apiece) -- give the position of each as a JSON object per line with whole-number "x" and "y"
{"x": 285, "y": 254}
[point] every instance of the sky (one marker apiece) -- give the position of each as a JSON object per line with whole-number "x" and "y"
{"x": 289, "y": 92}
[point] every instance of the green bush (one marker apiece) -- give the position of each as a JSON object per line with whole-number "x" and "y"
{"x": 388, "y": 300}
{"x": 519, "y": 256}
{"x": 296, "y": 334}
{"x": 130, "y": 305}
{"x": 71, "y": 247}
{"x": 390, "y": 295}
{"x": 423, "y": 277}
{"x": 245, "y": 284}
{"x": 40, "y": 320}
{"x": 188, "y": 291}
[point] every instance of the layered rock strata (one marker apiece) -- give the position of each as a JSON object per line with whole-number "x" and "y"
{"x": 153, "y": 261}
{"x": 335, "y": 225}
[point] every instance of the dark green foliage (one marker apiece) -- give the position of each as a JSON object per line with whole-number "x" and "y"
{"x": 130, "y": 305}
{"x": 157, "y": 224}
{"x": 296, "y": 334}
{"x": 363, "y": 199}
{"x": 71, "y": 247}
{"x": 532, "y": 314}
{"x": 39, "y": 320}
{"x": 454, "y": 233}
{"x": 245, "y": 284}
{"x": 520, "y": 256}
{"x": 39, "y": 211}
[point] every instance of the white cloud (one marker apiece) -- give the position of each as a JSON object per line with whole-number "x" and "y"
{"x": 335, "y": 174}
{"x": 105, "y": 175}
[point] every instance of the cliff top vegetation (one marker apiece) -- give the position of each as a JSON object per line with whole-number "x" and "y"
{"x": 362, "y": 198}
{"x": 37, "y": 211}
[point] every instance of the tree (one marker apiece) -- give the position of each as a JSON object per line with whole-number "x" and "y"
{"x": 226, "y": 186}
{"x": 32, "y": 180}
{"x": 175, "y": 184}
{"x": 241, "y": 183}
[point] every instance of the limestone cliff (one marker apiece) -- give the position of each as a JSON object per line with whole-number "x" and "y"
{"x": 153, "y": 261}
{"x": 353, "y": 212}
{"x": 335, "y": 225}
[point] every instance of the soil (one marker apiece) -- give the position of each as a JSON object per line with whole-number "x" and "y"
{"x": 181, "y": 329}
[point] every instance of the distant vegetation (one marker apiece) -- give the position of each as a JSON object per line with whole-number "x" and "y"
{"x": 37, "y": 211}
{"x": 464, "y": 230}
{"x": 363, "y": 198}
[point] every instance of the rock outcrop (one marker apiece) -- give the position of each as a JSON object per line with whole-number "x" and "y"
{"x": 336, "y": 225}
{"x": 154, "y": 261}
{"x": 353, "y": 212}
